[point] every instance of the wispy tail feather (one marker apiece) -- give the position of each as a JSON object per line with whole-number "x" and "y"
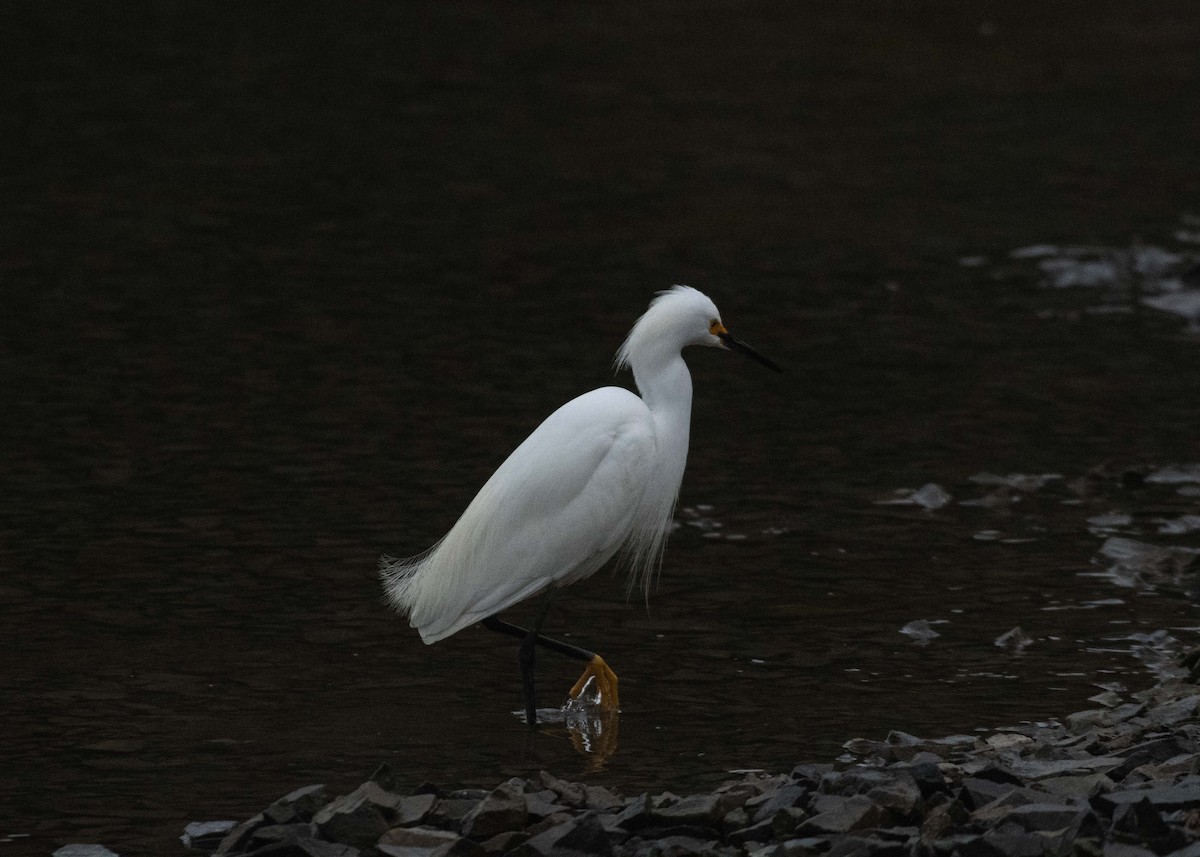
{"x": 396, "y": 575}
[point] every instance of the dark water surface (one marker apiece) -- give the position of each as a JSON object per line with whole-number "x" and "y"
{"x": 280, "y": 291}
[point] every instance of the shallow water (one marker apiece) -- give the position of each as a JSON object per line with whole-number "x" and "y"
{"x": 282, "y": 293}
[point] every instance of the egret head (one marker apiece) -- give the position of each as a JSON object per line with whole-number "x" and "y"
{"x": 679, "y": 317}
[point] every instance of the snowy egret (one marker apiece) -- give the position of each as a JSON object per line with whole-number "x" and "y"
{"x": 600, "y": 475}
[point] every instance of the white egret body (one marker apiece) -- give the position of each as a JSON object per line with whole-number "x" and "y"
{"x": 601, "y": 474}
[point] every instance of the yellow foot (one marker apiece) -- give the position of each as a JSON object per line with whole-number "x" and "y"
{"x": 606, "y": 683}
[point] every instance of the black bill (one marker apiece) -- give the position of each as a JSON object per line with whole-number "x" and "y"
{"x": 737, "y": 345}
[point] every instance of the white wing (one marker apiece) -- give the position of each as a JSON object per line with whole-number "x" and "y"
{"x": 554, "y": 512}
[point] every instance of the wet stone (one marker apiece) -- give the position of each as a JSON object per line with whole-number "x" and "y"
{"x": 703, "y": 810}
{"x": 569, "y": 794}
{"x": 927, "y": 777}
{"x": 765, "y": 807}
{"x": 358, "y": 818}
{"x": 852, "y": 813}
{"x": 1141, "y": 822}
{"x": 978, "y": 792}
{"x": 901, "y": 798}
{"x": 413, "y": 809}
{"x": 1046, "y": 817}
{"x": 866, "y": 846}
{"x": 299, "y": 805}
{"x": 583, "y": 836}
{"x": 1011, "y": 844}
{"x": 206, "y": 835}
{"x": 941, "y": 820}
{"x": 1082, "y": 787}
{"x": 408, "y": 842}
{"x": 601, "y": 799}
{"x": 502, "y": 810}
{"x": 543, "y": 803}
{"x": 451, "y": 811}
{"x": 810, "y": 774}
{"x": 1163, "y": 799}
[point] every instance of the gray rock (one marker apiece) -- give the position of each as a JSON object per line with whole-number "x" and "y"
{"x": 450, "y": 811}
{"x": 987, "y": 769}
{"x": 1164, "y": 799}
{"x": 418, "y": 837}
{"x": 1046, "y": 817}
{"x": 810, "y": 774}
{"x": 868, "y": 747}
{"x": 853, "y": 813}
{"x": 978, "y": 792}
{"x": 701, "y": 810}
{"x": 358, "y": 818}
{"x": 206, "y": 835}
{"x": 1121, "y": 849}
{"x": 866, "y": 846}
{"x": 942, "y": 819}
{"x": 806, "y": 846}
{"x": 600, "y": 799}
{"x": 1011, "y": 844}
{"x": 1174, "y": 712}
{"x": 1078, "y": 787}
{"x": 404, "y": 851}
{"x": 1000, "y": 808}
{"x": 635, "y": 814}
{"x": 960, "y": 845}
{"x": 767, "y": 806}
{"x": 503, "y": 809}
{"x": 680, "y": 846}
{"x": 901, "y": 797}
{"x": 764, "y": 831}
{"x": 1141, "y": 822}
{"x": 583, "y": 836}
{"x": 305, "y": 846}
{"x": 569, "y": 794}
{"x": 502, "y": 843}
{"x": 83, "y": 849}
{"x": 299, "y": 805}
{"x": 928, "y": 777}
{"x": 1038, "y": 769}
{"x": 413, "y": 809}
{"x": 542, "y": 803}
{"x": 855, "y": 781}
{"x": 414, "y": 839}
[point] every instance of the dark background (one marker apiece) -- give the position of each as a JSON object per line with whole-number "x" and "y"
{"x": 282, "y": 286}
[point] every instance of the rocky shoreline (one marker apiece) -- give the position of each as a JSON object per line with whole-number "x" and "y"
{"x": 1119, "y": 781}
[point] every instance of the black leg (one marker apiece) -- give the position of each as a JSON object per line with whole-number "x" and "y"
{"x": 525, "y": 657}
{"x": 597, "y": 669}
{"x": 526, "y": 653}
{"x": 502, "y": 627}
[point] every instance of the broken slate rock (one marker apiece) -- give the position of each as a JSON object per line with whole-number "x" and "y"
{"x": 765, "y": 807}
{"x": 852, "y": 813}
{"x": 413, "y": 809}
{"x": 358, "y": 818}
{"x": 584, "y": 836}
{"x": 1163, "y": 799}
{"x": 299, "y": 805}
{"x": 503, "y": 809}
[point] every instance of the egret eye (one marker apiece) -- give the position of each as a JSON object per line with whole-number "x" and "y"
{"x": 715, "y": 327}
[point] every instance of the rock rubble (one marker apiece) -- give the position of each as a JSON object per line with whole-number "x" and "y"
{"x": 1121, "y": 781}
